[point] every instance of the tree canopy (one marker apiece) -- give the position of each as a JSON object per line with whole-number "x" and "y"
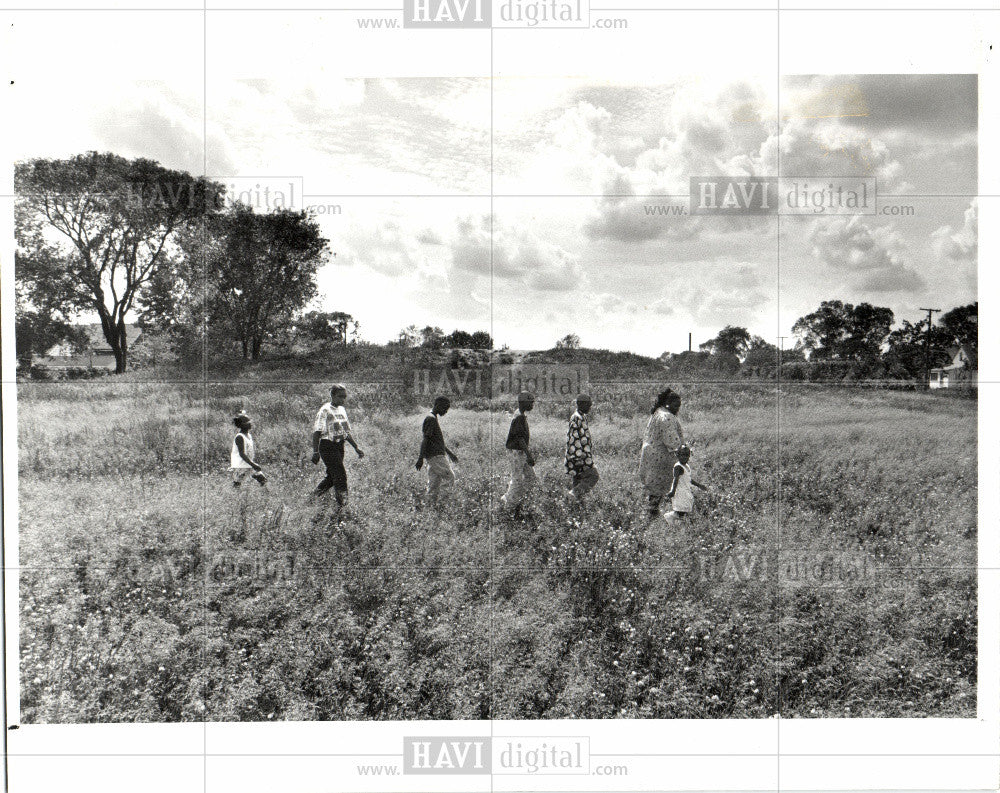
{"x": 262, "y": 269}
{"x": 731, "y": 341}
{"x": 842, "y": 331}
{"x": 92, "y": 230}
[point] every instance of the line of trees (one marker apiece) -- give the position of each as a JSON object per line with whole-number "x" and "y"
{"x": 100, "y": 233}
{"x": 434, "y": 338}
{"x": 857, "y": 338}
{"x": 863, "y": 335}
{"x": 104, "y": 234}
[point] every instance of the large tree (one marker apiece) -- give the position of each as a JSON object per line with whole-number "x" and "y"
{"x": 326, "y": 327}
{"x": 760, "y": 352}
{"x": 730, "y": 342}
{"x": 111, "y": 222}
{"x": 962, "y": 324}
{"x": 481, "y": 340}
{"x": 458, "y": 339}
{"x": 842, "y": 331}
{"x": 432, "y": 337}
{"x": 909, "y": 349}
{"x": 408, "y": 336}
{"x": 261, "y": 270}
{"x": 42, "y": 317}
{"x": 461, "y": 339}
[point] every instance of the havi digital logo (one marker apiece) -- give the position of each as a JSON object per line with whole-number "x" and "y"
{"x": 447, "y": 14}
{"x": 447, "y": 755}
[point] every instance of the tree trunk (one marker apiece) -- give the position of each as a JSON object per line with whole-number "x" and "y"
{"x": 257, "y": 342}
{"x": 121, "y": 351}
{"x": 114, "y": 335}
{"x": 246, "y": 349}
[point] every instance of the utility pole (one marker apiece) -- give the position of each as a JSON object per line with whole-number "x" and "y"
{"x": 927, "y": 343}
{"x": 689, "y": 341}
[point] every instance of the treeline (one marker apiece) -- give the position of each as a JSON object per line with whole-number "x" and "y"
{"x": 100, "y": 233}
{"x": 838, "y": 341}
{"x": 103, "y": 234}
{"x": 128, "y": 238}
{"x": 433, "y": 338}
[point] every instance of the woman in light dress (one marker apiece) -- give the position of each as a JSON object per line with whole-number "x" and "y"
{"x": 660, "y": 442}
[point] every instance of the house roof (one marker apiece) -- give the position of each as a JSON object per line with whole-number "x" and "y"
{"x": 970, "y": 356}
{"x": 96, "y": 334}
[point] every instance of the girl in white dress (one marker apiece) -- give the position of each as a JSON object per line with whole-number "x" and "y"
{"x": 241, "y": 456}
{"x": 681, "y": 495}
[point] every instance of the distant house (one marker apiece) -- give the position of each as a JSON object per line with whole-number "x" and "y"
{"x": 98, "y": 353}
{"x": 961, "y": 371}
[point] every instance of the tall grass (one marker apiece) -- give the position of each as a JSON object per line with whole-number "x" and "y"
{"x": 152, "y": 590}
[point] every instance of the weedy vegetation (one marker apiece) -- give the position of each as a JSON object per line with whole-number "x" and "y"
{"x": 151, "y": 590}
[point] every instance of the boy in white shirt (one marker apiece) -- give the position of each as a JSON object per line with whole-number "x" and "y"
{"x": 331, "y": 431}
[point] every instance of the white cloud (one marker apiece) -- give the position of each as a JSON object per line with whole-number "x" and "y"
{"x": 869, "y": 258}
{"x": 959, "y": 244}
{"x": 518, "y": 255}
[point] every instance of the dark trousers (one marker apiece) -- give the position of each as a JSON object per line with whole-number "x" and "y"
{"x": 332, "y": 454}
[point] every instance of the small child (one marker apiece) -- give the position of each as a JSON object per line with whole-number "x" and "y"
{"x": 241, "y": 460}
{"x": 681, "y": 495}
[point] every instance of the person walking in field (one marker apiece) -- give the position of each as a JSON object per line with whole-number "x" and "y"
{"x": 435, "y": 452}
{"x": 331, "y": 431}
{"x": 681, "y": 494}
{"x": 579, "y": 450}
{"x": 662, "y": 437}
{"x": 522, "y": 461}
{"x": 241, "y": 456}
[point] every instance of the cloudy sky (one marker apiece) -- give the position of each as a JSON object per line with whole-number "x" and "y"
{"x": 566, "y": 243}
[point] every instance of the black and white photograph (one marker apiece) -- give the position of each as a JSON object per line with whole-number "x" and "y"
{"x": 499, "y": 408}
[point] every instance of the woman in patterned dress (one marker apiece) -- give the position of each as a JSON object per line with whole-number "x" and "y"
{"x": 663, "y": 436}
{"x": 579, "y": 450}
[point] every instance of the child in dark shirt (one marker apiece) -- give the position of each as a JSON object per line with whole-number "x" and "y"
{"x": 435, "y": 452}
{"x": 522, "y": 461}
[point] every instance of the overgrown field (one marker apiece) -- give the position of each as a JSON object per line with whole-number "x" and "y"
{"x": 150, "y": 590}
